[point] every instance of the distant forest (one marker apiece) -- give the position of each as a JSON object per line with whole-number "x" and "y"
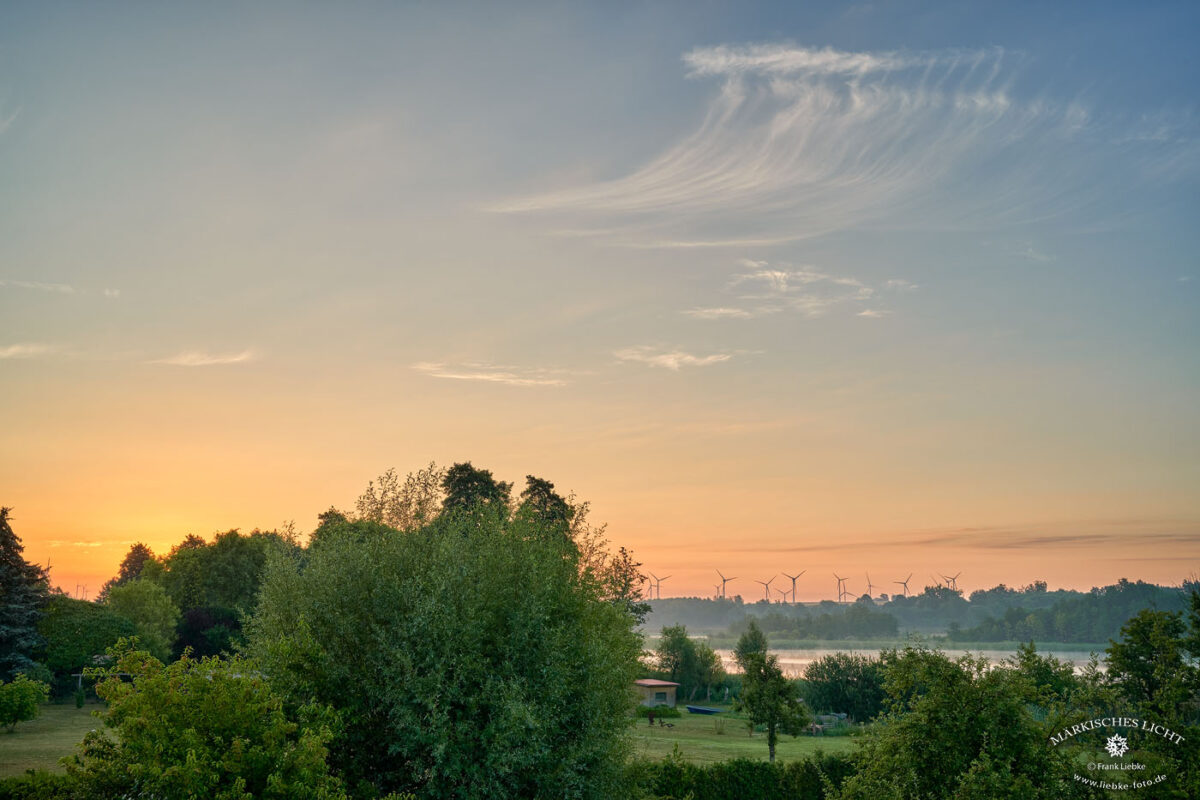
{"x": 999, "y": 614}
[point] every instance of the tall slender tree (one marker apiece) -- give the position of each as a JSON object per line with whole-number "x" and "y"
{"x": 23, "y": 589}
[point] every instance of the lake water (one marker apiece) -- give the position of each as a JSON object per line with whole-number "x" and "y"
{"x": 793, "y": 662}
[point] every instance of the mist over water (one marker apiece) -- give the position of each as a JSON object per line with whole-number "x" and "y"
{"x": 793, "y": 662}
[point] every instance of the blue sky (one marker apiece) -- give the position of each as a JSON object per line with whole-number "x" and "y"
{"x": 748, "y": 276}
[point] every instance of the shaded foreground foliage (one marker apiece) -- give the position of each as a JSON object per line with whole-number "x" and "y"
{"x": 207, "y": 728}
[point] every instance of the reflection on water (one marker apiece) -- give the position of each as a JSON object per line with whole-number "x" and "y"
{"x": 793, "y": 662}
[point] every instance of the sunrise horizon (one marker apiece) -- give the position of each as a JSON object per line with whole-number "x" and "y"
{"x": 840, "y": 288}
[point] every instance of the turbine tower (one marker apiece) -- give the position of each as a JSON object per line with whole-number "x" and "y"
{"x": 794, "y": 577}
{"x": 841, "y": 589}
{"x": 767, "y": 588}
{"x": 870, "y": 586}
{"x": 659, "y": 585}
{"x": 952, "y": 580}
{"x": 783, "y": 593}
{"x": 904, "y": 583}
{"x": 724, "y": 581}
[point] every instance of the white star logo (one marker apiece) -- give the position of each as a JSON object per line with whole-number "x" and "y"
{"x": 1117, "y": 745}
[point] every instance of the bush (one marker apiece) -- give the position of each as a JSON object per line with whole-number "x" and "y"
{"x": 206, "y": 728}
{"x": 38, "y": 785}
{"x": 20, "y": 700}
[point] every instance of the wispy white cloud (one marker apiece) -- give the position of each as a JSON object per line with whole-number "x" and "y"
{"x": 900, "y": 284}
{"x": 801, "y": 142}
{"x": 112, "y": 293}
{"x": 780, "y": 59}
{"x": 668, "y": 359}
{"x": 197, "y": 358}
{"x": 873, "y": 313}
{"x": 491, "y": 373}
{"x": 41, "y": 286}
{"x": 26, "y": 350}
{"x": 720, "y": 313}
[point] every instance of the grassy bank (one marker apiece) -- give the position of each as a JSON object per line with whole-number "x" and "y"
{"x": 40, "y": 743}
{"x": 700, "y": 742}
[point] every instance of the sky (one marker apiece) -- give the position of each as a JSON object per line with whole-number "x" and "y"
{"x": 890, "y": 288}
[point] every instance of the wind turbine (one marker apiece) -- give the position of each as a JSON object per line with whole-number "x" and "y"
{"x": 953, "y": 580}
{"x": 904, "y": 583}
{"x": 716, "y": 593}
{"x": 767, "y": 588}
{"x": 794, "y": 577}
{"x": 936, "y": 582}
{"x": 782, "y": 593}
{"x": 659, "y": 585}
{"x": 724, "y": 581}
{"x": 841, "y": 591}
{"x": 870, "y": 586}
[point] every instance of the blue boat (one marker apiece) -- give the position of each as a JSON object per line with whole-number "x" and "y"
{"x": 702, "y": 710}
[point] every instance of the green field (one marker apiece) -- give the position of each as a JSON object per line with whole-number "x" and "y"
{"x": 699, "y": 742}
{"x": 40, "y": 743}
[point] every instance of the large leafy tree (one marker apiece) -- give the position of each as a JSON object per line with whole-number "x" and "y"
{"x": 77, "y": 633}
{"x": 470, "y": 489}
{"x": 1152, "y": 668}
{"x": 150, "y": 608}
{"x": 768, "y": 696}
{"x": 693, "y": 665}
{"x": 472, "y": 658}
{"x": 23, "y": 590}
{"x": 845, "y": 682}
{"x": 541, "y": 501}
{"x": 135, "y": 560}
{"x": 958, "y": 729}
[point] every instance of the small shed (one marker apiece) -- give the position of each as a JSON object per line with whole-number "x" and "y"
{"x": 656, "y": 692}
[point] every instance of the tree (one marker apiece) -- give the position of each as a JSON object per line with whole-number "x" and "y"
{"x": 224, "y": 573}
{"x": 407, "y": 506}
{"x": 845, "y": 682}
{"x": 201, "y": 728}
{"x": 677, "y": 656}
{"x": 709, "y": 669}
{"x": 546, "y": 505}
{"x": 208, "y": 631}
{"x": 471, "y": 658}
{"x": 768, "y": 697}
{"x": 471, "y": 489}
{"x": 24, "y": 588}
{"x": 957, "y": 729}
{"x": 1149, "y": 664}
{"x": 77, "y": 633}
{"x": 20, "y": 700}
{"x": 149, "y": 607}
{"x": 621, "y": 581}
{"x": 752, "y": 641}
{"x": 131, "y": 567}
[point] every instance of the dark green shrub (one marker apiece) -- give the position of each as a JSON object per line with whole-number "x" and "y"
{"x": 39, "y": 785}
{"x": 742, "y": 779}
{"x": 20, "y": 700}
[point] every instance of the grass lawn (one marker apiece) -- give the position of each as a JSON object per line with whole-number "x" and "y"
{"x": 699, "y": 742}
{"x": 40, "y": 743}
